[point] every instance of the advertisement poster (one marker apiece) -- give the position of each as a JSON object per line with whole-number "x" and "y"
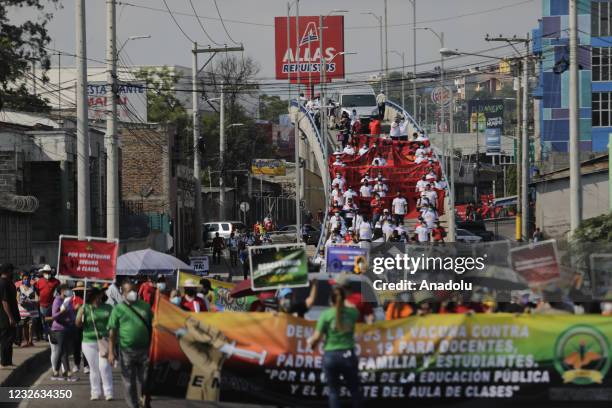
{"x": 220, "y": 296}
{"x": 278, "y": 266}
{"x": 268, "y": 167}
{"x": 493, "y": 111}
{"x": 601, "y": 276}
{"x": 536, "y": 263}
{"x": 262, "y": 358}
{"x": 346, "y": 259}
{"x": 493, "y": 141}
{"x": 131, "y": 103}
{"x": 92, "y": 258}
{"x": 199, "y": 264}
{"x": 307, "y": 58}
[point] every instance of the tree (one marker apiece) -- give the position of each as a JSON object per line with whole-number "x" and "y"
{"x": 164, "y": 107}
{"x": 271, "y": 107}
{"x": 20, "y": 44}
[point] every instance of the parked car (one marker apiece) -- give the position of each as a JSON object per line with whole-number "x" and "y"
{"x": 477, "y": 228}
{"x": 224, "y": 228}
{"x": 324, "y": 288}
{"x": 288, "y": 233}
{"x": 466, "y": 236}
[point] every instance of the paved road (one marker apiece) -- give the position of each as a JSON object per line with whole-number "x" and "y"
{"x": 81, "y": 394}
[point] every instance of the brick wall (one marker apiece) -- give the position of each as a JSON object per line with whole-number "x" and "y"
{"x": 145, "y": 167}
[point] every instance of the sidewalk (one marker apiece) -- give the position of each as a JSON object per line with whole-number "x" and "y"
{"x": 29, "y": 363}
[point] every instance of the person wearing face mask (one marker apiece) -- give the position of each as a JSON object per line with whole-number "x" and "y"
{"x": 146, "y": 291}
{"x": 27, "y": 300}
{"x": 45, "y": 286}
{"x": 190, "y": 301}
{"x": 63, "y": 332}
{"x": 129, "y": 325}
{"x": 93, "y": 319}
{"x": 175, "y": 297}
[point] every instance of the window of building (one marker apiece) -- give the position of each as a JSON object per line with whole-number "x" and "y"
{"x": 602, "y": 63}
{"x": 601, "y": 17}
{"x": 602, "y": 109}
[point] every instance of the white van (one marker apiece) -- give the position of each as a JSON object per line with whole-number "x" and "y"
{"x": 224, "y": 228}
{"x": 362, "y": 99}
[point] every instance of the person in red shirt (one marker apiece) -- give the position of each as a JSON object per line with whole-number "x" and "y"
{"x": 375, "y": 127}
{"x": 146, "y": 292}
{"x": 377, "y": 208}
{"x": 45, "y": 286}
{"x": 438, "y": 233}
{"x": 190, "y": 301}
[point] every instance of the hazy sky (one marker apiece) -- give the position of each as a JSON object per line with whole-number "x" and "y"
{"x": 464, "y": 23}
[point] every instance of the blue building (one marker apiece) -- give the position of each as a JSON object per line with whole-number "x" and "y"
{"x": 551, "y": 43}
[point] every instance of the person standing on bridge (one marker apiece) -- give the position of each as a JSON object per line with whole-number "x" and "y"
{"x": 381, "y": 100}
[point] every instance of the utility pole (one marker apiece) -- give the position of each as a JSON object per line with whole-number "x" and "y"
{"x": 525, "y": 155}
{"x": 222, "y": 154}
{"x": 522, "y": 138}
{"x": 386, "y": 53}
{"x": 451, "y": 201}
{"x": 323, "y": 108}
{"x": 83, "y": 208}
{"x": 197, "y": 167}
{"x": 298, "y": 215}
{"x": 34, "y": 91}
{"x": 574, "y": 114}
{"x": 414, "y": 61}
{"x": 112, "y": 163}
{"x": 195, "y": 98}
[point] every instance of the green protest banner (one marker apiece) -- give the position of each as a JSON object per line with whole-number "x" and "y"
{"x": 276, "y": 266}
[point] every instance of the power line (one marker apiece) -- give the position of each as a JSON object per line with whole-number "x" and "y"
{"x": 223, "y": 23}
{"x": 176, "y": 22}
{"x": 200, "y": 23}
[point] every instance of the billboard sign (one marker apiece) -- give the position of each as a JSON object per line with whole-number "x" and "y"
{"x": 493, "y": 140}
{"x": 91, "y": 258}
{"x": 441, "y": 96}
{"x": 131, "y": 104}
{"x": 493, "y": 111}
{"x": 199, "y": 264}
{"x": 307, "y": 58}
{"x": 268, "y": 167}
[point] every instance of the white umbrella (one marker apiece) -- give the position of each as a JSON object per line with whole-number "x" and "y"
{"x": 149, "y": 262}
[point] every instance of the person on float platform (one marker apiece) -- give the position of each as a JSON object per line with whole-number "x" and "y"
{"x": 380, "y": 188}
{"x": 348, "y": 150}
{"x": 395, "y": 131}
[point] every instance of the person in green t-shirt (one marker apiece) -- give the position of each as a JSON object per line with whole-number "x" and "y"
{"x": 336, "y": 326}
{"x": 93, "y": 318}
{"x": 130, "y": 326}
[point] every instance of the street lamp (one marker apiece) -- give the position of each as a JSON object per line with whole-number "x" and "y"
{"x": 380, "y": 28}
{"x": 402, "y": 56}
{"x": 131, "y": 38}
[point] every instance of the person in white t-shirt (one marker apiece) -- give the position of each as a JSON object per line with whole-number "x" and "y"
{"x": 395, "y": 131}
{"x": 399, "y": 227}
{"x": 385, "y": 216}
{"x": 350, "y": 193}
{"x": 404, "y": 131}
{"x": 380, "y": 188}
{"x": 365, "y": 190}
{"x": 420, "y": 159}
{"x": 431, "y": 176}
{"x": 337, "y": 197}
{"x": 387, "y": 229}
{"x": 422, "y": 231}
{"x": 400, "y": 207}
{"x": 422, "y": 137}
{"x": 431, "y": 195}
{"x": 380, "y": 177}
{"x": 420, "y": 185}
{"x": 429, "y": 216}
{"x": 339, "y": 181}
{"x": 363, "y": 150}
{"x": 349, "y": 210}
{"x": 441, "y": 184}
{"x": 336, "y": 222}
{"x": 365, "y": 230}
{"x": 421, "y": 151}
{"x": 348, "y": 150}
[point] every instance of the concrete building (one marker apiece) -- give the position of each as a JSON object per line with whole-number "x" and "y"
{"x": 551, "y": 43}
{"x": 552, "y": 192}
